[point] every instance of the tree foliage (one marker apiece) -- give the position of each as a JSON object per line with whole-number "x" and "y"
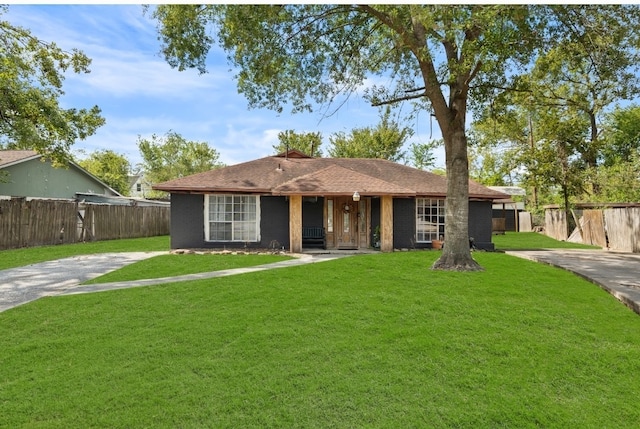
{"x": 297, "y": 56}
{"x": 172, "y": 156}
{"x": 592, "y": 64}
{"x": 537, "y": 149}
{"x": 621, "y": 135}
{"x": 543, "y": 152}
{"x": 617, "y": 175}
{"x": 306, "y": 142}
{"x": 619, "y": 182}
{"x": 110, "y": 167}
{"x": 489, "y": 167}
{"x": 421, "y": 154}
{"x": 569, "y": 91}
{"x": 31, "y": 79}
{"x": 384, "y": 141}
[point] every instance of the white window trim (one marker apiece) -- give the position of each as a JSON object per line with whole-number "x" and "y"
{"x": 440, "y": 204}
{"x": 206, "y": 219}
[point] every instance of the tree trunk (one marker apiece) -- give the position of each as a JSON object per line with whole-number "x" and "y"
{"x": 456, "y": 255}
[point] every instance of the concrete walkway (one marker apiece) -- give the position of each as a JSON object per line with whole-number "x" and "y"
{"x": 616, "y": 272}
{"x": 64, "y": 276}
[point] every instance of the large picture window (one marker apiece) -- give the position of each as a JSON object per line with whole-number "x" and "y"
{"x": 429, "y": 219}
{"x": 232, "y": 218}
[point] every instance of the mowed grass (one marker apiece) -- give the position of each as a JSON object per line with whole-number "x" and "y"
{"x": 176, "y": 265}
{"x": 377, "y": 341}
{"x": 181, "y": 264}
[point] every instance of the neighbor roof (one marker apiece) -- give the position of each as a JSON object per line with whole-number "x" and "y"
{"x": 11, "y": 157}
{"x": 293, "y": 174}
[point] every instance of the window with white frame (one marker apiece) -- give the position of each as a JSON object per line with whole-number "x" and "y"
{"x": 232, "y": 218}
{"x": 429, "y": 219}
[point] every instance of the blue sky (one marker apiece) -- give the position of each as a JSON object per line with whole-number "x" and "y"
{"x": 141, "y": 95}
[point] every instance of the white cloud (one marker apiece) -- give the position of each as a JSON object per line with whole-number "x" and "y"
{"x": 234, "y": 145}
{"x": 126, "y": 75}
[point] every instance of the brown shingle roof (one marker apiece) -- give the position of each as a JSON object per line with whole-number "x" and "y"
{"x": 280, "y": 175}
{"x": 336, "y": 179}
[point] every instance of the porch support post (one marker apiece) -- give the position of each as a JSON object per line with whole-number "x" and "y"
{"x": 295, "y": 223}
{"x": 386, "y": 220}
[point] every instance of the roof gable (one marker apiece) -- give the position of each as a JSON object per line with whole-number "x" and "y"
{"x": 293, "y": 153}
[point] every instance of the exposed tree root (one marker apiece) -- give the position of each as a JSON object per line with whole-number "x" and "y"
{"x": 452, "y": 262}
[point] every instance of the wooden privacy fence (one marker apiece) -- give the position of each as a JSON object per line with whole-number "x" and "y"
{"x": 623, "y": 228}
{"x": 37, "y": 222}
{"x": 26, "y": 223}
{"x": 617, "y": 226}
{"x": 592, "y": 229}
{"x": 108, "y": 222}
{"x": 555, "y": 223}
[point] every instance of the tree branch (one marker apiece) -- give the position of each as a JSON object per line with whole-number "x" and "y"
{"x": 473, "y": 73}
{"x": 501, "y": 88}
{"x": 396, "y": 100}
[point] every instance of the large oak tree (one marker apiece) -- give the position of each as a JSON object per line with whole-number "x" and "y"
{"x": 295, "y": 56}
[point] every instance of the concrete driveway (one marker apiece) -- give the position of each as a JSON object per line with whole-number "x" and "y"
{"x": 24, "y": 284}
{"x": 616, "y": 272}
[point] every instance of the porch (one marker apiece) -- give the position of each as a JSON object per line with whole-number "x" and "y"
{"x": 347, "y": 221}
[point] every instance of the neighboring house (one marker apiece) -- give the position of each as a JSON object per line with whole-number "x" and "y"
{"x": 30, "y": 175}
{"x": 139, "y": 187}
{"x": 270, "y": 202}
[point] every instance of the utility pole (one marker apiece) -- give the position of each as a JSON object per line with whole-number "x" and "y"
{"x": 531, "y": 144}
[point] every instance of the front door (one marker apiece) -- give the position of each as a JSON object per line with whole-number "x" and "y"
{"x": 346, "y": 223}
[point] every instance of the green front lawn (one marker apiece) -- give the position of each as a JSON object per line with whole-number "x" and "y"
{"x": 375, "y": 341}
{"x": 178, "y": 265}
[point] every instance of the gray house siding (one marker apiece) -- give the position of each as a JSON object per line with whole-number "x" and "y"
{"x": 187, "y": 224}
{"x": 187, "y": 221}
{"x": 480, "y": 213}
{"x": 313, "y": 211}
{"x": 34, "y": 178}
{"x": 404, "y": 224}
{"x": 274, "y": 222}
